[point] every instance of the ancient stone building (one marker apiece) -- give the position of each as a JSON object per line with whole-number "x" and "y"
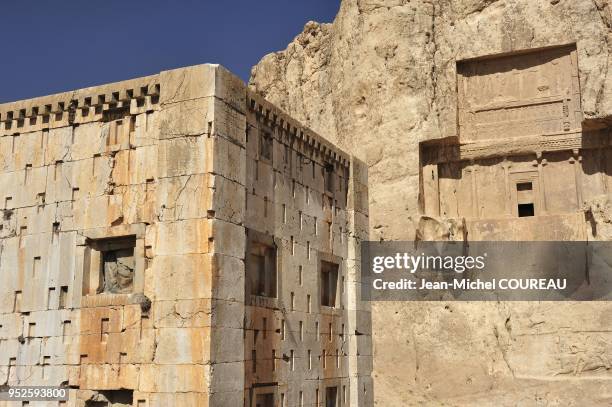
{"x": 176, "y": 240}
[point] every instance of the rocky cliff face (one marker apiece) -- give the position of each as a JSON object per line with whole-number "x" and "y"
{"x": 382, "y": 78}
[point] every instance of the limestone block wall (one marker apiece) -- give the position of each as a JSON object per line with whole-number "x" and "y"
{"x": 123, "y": 234}
{"x": 78, "y": 168}
{"x": 306, "y": 199}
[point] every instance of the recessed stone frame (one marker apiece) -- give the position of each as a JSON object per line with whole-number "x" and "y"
{"x": 330, "y": 383}
{"x": 263, "y": 250}
{"x": 266, "y": 146}
{"x": 330, "y": 178}
{"x": 265, "y": 395}
{"x": 324, "y": 263}
{"x": 111, "y": 247}
{"x": 526, "y": 194}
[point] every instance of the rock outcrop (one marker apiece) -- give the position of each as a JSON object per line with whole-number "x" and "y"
{"x": 381, "y": 79}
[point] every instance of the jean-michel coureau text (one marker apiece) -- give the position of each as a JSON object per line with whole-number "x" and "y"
{"x": 475, "y": 284}
{"x": 412, "y": 263}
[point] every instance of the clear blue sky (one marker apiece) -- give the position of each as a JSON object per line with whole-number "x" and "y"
{"x": 54, "y": 46}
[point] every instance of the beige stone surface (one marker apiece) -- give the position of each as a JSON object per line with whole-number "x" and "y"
{"x": 383, "y": 81}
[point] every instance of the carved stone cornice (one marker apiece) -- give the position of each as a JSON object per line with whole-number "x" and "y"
{"x": 536, "y": 145}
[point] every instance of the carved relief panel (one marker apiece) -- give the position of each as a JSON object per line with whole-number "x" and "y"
{"x": 526, "y": 94}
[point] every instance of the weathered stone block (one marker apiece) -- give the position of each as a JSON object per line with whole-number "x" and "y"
{"x": 230, "y": 123}
{"x": 183, "y": 156}
{"x": 194, "y": 313}
{"x": 28, "y": 151}
{"x": 228, "y": 274}
{"x": 185, "y": 197}
{"x": 228, "y": 160}
{"x": 228, "y": 199}
{"x": 177, "y": 346}
{"x": 173, "y": 378}
{"x": 184, "y": 276}
{"x": 109, "y": 377}
{"x": 189, "y": 83}
{"x": 187, "y": 118}
{"x": 191, "y": 236}
{"x": 229, "y": 239}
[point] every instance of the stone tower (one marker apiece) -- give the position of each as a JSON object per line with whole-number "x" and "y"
{"x": 176, "y": 240}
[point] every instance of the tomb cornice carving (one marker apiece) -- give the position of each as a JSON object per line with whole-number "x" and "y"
{"x": 274, "y": 117}
{"x": 79, "y": 106}
{"x": 536, "y": 145}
